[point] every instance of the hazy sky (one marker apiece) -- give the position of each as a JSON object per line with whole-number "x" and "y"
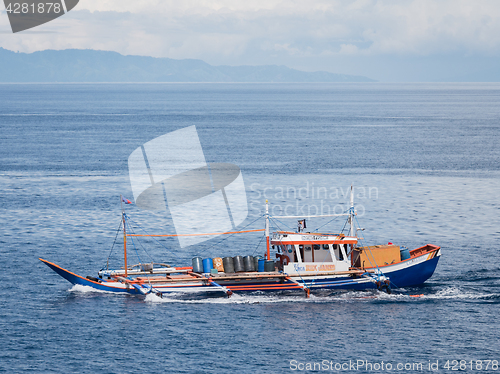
{"x": 403, "y": 40}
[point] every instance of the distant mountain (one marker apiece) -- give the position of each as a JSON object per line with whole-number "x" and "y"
{"x": 86, "y": 65}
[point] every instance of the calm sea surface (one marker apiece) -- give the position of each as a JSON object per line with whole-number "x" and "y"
{"x": 424, "y": 160}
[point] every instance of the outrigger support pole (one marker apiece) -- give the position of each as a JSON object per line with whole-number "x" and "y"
{"x": 303, "y": 286}
{"x": 209, "y": 279}
{"x": 225, "y": 289}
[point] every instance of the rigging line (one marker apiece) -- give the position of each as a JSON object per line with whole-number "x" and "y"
{"x": 379, "y": 272}
{"x": 320, "y": 263}
{"x": 113, "y": 246}
{"x": 346, "y": 221}
{"x": 291, "y": 228}
{"x": 132, "y": 239}
{"x": 311, "y": 283}
{"x": 258, "y": 244}
{"x": 277, "y": 220}
{"x": 157, "y": 241}
{"x": 324, "y": 260}
{"x": 227, "y": 237}
{"x": 333, "y": 219}
{"x": 345, "y": 224}
{"x": 139, "y": 242}
{"x": 369, "y": 249}
{"x": 298, "y": 272}
{"x": 202, "y": 234}
{"x": 303, "y": 281}
{"x": 147, "y": 253}
{"x": 142, "y": 246}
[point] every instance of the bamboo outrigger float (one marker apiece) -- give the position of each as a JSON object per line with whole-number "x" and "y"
{"x": 303, "y": 261}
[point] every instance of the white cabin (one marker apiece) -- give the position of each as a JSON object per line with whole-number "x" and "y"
{"x": 313, "y": 252}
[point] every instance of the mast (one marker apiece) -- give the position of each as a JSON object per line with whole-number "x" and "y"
{"x": 124, "y": 237}
{"x": 351, "y": 222}
{"x": 267, "y": 231}
{"x": 351, "y": 214}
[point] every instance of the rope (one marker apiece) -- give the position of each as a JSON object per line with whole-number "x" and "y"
{"x": 113, "y": 246}
{"x": 157, "y": 241}
{"x": 206, "y": 234}
{"x": 258, "y": 244}
{"x": 139, "y": 243}
{"x": 333, "y": 219}
{"x": 369, "y": 250}
{"x": 229, "y": 235}
{"x": 133, "y": 243}
{"x": 277, "y": 220}
{"x": 304, "y": 283}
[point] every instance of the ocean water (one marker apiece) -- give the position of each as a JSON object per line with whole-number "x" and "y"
{"x": 424, "y": 160}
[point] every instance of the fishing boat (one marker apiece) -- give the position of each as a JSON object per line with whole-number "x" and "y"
{"x": 294, "y": 260}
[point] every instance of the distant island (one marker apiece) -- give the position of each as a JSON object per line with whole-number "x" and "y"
{"x": 86, "y": 65}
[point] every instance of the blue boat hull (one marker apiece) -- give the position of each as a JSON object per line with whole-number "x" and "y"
{"x": 410, "y": 276}
{"x": 77, "y": 279}
{"x": 404, "y": 274}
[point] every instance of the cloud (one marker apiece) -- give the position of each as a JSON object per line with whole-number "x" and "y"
{"x": 306, "y": 33}
{"x": 348, "y": 49}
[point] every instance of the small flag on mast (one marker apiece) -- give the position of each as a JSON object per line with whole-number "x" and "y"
{"x": 302, "y": 225}
{"x": 126, "y": 201}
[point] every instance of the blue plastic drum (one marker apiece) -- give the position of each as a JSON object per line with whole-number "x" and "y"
{"x": 256, "y": 262}
{"x": 208, "y": 265}
{"x": 261, "y": 265}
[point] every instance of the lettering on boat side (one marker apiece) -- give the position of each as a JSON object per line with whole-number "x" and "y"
{"x": 26, "y": 14}
{"x": 314, "y": 237}
{"x": 320, "y": 267}
{"x": 170, "y": 172}
{"x": 298, "y": 267}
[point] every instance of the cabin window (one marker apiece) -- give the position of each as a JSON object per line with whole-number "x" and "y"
{"x": 338, "y": 252}
{"x": 301, "y": 246}
{"x": 308, "y": 248}
{"x": 325, "y": 247}
{"x": 317, "y": 247}
{"x": 290, "y": 250}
